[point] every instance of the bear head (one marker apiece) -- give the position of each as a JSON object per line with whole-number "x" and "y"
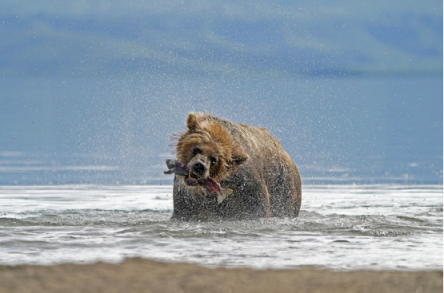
{"x": 208, "y": 148}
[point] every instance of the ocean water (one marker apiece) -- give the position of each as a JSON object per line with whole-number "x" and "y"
{"x": 340, "y": 227}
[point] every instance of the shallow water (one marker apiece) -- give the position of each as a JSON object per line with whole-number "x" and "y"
{"x": 342, "y": 227}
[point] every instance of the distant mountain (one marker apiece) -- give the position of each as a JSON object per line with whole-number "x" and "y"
{"x": 221, "y": 38}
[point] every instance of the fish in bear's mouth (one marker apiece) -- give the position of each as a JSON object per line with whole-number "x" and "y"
{"x": 208, "y": 184}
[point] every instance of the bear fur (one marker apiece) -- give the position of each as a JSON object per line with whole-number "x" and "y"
{"x": 246, "y": 159}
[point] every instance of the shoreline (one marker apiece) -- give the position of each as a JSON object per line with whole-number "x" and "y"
{"x": 142, "y": 275}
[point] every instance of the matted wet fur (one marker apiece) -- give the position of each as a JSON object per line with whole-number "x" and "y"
{"x": 246, "y": 159}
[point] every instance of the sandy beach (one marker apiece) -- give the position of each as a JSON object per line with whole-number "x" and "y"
{"x": 141, "y": 275}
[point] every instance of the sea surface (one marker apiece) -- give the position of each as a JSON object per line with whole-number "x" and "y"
{"x": 340, "y": 227}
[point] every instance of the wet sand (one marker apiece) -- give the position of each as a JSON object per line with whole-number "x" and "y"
{"x": 140, "y": 275}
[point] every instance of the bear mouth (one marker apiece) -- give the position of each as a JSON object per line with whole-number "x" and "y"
{"x": 194, "y": 176}
{"x": 191, "y": 181}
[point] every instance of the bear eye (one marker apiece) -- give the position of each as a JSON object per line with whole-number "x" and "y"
{"x": 213, "y": 161}
{"x": 195, "y": 151}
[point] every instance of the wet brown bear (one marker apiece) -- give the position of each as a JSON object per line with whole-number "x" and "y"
{"x": 246, "y": 159}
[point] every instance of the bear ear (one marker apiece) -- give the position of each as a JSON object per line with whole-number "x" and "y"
{"x": 192, "y": 121}
{"x": 238, "y": 158}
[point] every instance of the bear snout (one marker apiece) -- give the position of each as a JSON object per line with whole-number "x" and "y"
{"x": 199, "y": 169}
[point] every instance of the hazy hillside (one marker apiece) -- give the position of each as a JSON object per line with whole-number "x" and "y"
{"x": 228, "y": 38}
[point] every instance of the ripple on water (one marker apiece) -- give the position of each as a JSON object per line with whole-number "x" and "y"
{"x": 337, "y": 229}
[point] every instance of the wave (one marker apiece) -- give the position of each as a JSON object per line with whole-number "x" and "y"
{"x": 309, "y": 222}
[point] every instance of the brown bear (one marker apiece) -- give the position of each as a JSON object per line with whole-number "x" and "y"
{"x": 246, "y": 159}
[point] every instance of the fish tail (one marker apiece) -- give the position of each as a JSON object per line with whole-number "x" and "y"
{"x": 223, "y": 194}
